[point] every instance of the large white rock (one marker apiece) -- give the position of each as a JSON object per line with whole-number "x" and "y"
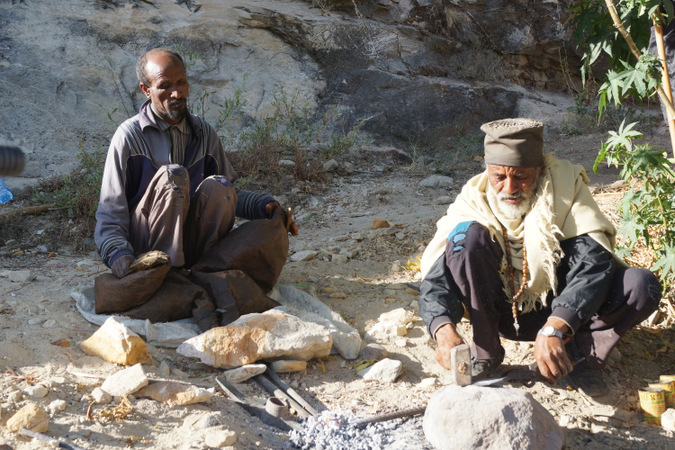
{"x": 253, "y": 337}
{"x": 474, "y": 417}
{"x": 346, "y": 339}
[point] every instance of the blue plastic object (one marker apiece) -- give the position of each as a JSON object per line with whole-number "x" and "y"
{"x": 5, "y": 193}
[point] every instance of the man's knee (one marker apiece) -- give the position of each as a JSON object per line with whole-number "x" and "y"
{"x": 217, "y": 184}
{"x": 645, "y": 287}
{"x": 467, "y": 237}
{"x": 177, "y": 177}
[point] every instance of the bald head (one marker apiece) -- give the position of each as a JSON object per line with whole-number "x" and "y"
{"x": 162, "y": 78}
{"x": 153, "y": 55}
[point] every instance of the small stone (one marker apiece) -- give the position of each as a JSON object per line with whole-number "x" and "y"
{"x": 56, "y": 381}
{"x": 286, "y": 163}
{"x": 14, "y": 396}
{"x": 330, "y": 165}
{"x": 437, "y": 181}
{"x": 30, "y": 417}
{"x": 100, "y": 396}
{"x": 204, "y": 422}
{"x": 243, "y": 373}
{"x": 35, "y": 321}
{"x": 357, "y": 236}
{"x": 339, "y": 259}
{"x": 56, "y": 406}
{"x": 385, "y": 371}
{"x": 173, "y": 393}
{"x": 401, "y": 342}
{"x": 305, "y": 255}
{"x": 164, "y": 369}
{"x": 178, "y": 373}
{"x": 125, "y": 381}
{"x": 49, "y": 323}
{"x": 219, "y": 438}
{"x": 428, "y": 383}
{"x": 379, "y": 223}
{"x": 36, "y": 391}
{"x": 374, "y": 351}
{"x": 288, "y": 366}
{"x": 84, "y": 432}
{"x": 21, "y": 276}
{"x": 444, "y": 200}
{"x": 668, "y": 419}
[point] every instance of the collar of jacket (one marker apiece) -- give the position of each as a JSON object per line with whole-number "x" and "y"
{"x": 147, "y": 119}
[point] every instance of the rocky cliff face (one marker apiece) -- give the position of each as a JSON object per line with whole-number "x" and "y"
{"x": 409, "y": 71}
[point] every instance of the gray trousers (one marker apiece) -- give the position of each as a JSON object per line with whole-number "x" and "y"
{"x": 167, "y": 219}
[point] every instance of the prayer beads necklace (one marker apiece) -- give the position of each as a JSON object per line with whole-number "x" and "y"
{"x": 512, "y": 285}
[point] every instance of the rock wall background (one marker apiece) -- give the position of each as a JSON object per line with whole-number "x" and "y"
{"x": 412, "y": 72}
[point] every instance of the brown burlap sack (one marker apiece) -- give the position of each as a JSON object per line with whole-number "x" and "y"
{"x": 173, "y": 301}
{"x": 234, "y": 294}
{"x": 113, "y": 295}
{"x": 258, "y": 248}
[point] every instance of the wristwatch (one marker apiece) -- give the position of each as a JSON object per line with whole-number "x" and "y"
{"x": 550, "y": 331}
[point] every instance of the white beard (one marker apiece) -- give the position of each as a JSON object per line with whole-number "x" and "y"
{"x": 509, "y": 210}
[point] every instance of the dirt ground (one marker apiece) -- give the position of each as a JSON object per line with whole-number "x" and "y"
{"x": 40, "y": 329}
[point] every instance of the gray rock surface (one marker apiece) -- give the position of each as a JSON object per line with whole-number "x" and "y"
{"x": 409, "y": 73}
{"x": 474, "y": 417}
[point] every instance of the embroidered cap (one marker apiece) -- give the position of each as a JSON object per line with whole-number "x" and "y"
{"x": 514, "y": 142}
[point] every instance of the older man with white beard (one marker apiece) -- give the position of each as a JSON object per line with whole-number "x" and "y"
{"x": 526, "y": 254}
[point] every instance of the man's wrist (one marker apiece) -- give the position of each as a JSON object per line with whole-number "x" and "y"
{"x": 558, "y": 324}
{"x": 550, "y": 331}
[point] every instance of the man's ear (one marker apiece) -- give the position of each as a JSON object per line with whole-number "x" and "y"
{"x": 145, "y": 89}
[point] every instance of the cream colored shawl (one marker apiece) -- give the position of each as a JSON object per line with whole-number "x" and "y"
{"x": 563, "y": 208}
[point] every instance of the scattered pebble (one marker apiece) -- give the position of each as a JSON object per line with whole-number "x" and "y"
{"x": 305, "y": 255}
{"x": 379, "y": 223}
{"x": 339, "y": 259}
{"x": 14, "y": 396}
{"x": 36, "y": 391}
{"x": 164, "y": 369}
{"x": 100, "y": 396}
{"x": 220, "y": 438}
{"x": 56, "y": 406}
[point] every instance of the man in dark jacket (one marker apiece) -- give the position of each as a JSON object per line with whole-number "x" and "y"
{"x": 167, "y": 183}
{"x": 525, "y": 251}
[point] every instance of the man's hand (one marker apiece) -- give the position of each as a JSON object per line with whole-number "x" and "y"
{"x": 269, "y": 211}
{"x": 120, "y": 267}
{"x": 446, "y": 339}
{"x": 550, "y": 353}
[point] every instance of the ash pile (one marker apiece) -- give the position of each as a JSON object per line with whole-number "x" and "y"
{"x": 339, "y": 430}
